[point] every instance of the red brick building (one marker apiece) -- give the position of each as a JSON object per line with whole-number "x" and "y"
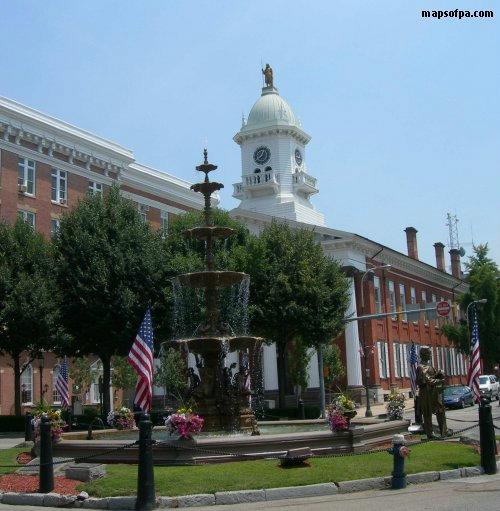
{"x": 46, "y": 166}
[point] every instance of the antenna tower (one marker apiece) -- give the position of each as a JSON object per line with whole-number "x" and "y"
{"x": 452, "y": 224}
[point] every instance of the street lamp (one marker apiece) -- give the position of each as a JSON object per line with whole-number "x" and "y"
{"x": 41, "y": 364}
{"x": 368, "y": 412}
{"x": 474, "y": 303}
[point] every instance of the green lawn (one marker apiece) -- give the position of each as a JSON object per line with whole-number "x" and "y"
{"x": 122, "y": 479}
{"x": 8, "y": 457}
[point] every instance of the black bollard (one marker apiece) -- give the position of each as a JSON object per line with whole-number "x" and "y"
{"x": 487, "y": 438}
{"x": 46, "y": 469}
{"x": 302, "y": 410}
{"x": 28, "y": 427}
{"x": 398, "y": 480}
{"x": 146, "y": 499}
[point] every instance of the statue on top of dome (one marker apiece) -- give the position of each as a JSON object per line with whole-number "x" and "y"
{"x": 268, "y": 75}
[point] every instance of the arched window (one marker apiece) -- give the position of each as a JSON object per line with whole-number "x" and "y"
{"x": 256, "y": 171}
{"x": 268, "y": 169}
{"x": 27, "y": 385}
{"x": 56, "y": 397}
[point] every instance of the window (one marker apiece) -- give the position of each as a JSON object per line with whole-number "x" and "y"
{"x": 402, "y": 300}
{"x": 59, "y": 186}
{"x": 27, "y": 385}
{"x": 55, "y": 224}
{"x": 405, "y": 348}
{"x": 26, "y": 176}
{"x": 434, "y": 301}
{"x": 413, "y": 298}
{"x": 164, "y": 223}
{"x": 392, "y": 297}
{"x": 143, "y": 211}
{"x": 424, "y": 305}
{"x": 56, "y": 397}
{"x": 398, "y": 360}
{"x": 28, "y": 216}
{"x": 383, "y": 359}
{"x": 378, "y": 299}
{"x": 95, "y": 188}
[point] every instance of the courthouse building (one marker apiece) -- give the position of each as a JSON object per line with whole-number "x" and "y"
{"x": 46, "y": 166}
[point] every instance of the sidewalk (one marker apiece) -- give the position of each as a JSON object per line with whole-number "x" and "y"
{"x": 379, "y": 409}
{"x": 9, "y": 440}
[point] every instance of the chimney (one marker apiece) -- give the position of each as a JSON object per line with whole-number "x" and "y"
{"x": 439, "y": 248}
{"x": 411, "y": 241}
{"x": 456, "y": 270}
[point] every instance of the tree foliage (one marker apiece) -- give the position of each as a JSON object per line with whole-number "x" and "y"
{"x": 29, "y": 319}
{"x": 333, "y": 367}
{"x": 172, "y": 374}
{"x": 483, "y": 278}
{"x": 123, "y": 375}
{"x": 109, "y": 266}
{"x": 296, "y": 291}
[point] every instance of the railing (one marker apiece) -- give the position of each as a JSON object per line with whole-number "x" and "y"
{"x": 237, "y": 188}
{"x": 261, "y": 178}
{"x": 301, "y": 178}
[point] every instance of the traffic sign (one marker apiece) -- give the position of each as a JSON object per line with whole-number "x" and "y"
{"x": 443, "y": 308}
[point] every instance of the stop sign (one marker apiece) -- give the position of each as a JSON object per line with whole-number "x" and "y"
{"x": 443, "y": 308}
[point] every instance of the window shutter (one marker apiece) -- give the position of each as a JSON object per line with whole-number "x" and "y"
{"x": 380, "y": 355}
{"x": 395, "y": 348}
{"x": 387, "y": 359}
{"x": 404, "y": 348}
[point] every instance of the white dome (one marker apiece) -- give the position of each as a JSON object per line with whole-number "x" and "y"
{"x": 270, "y": 110}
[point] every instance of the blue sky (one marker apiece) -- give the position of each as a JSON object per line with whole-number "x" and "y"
{"x": 404, "y": 112}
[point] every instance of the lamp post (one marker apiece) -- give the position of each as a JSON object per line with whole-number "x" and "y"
{"x": 41, "y": 364}
{"x": 473, "y": 304}
{"x": 368, "y": 412}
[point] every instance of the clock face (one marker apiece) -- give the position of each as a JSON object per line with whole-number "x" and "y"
{"x": 261, "y": 155}
{"x": 298, "y": 157}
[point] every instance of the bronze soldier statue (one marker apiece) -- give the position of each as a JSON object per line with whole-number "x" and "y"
{"x": 268, "y": 75}
{"x": 430, "y": 393}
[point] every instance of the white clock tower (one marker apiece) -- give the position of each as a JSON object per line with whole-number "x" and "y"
{"x": 275, "y": 178}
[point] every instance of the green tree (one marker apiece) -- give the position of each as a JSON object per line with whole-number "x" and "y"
{"x": 109, "y": 266}
{"x": 333, "y": 368}
{"x": 81, "y": 375}
{"x": 172, "y": 374}
{"x": 483, "y": 278}
{"x": 296, "y": 292}
{"x": 29, "y": 317}
{"x": 123, "y": 375}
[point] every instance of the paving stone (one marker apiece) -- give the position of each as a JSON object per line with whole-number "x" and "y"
{"x": 121, "y": 502}
{"x": 422, "y": 477}
{"x": 94, "y": 503}
{"x": 57, "y": 500}
{"x": 85, "y": 471}
{"x": 201, "y": 499}
{"x": 450, "y": 474}
{"x": 374, "y": 483}
{"x": 164, "y": 502}
{"x": 237, "y": 497}
{"x": 23, "y": 499}
{"x": 291, "y": 492}
{"x": 472, "y": 471}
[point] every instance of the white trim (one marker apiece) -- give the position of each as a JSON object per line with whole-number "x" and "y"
{"x": 151, "y": 203}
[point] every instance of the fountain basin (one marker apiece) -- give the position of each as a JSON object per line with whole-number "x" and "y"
{"x": 211, "y": 279}
{"x": 236, "y": 447}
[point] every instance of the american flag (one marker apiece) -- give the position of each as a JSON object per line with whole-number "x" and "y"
{"x": 61, "y": 385}
{"x": 412, "y": 365}
{"x": 475, "y": 358}
{"x": 141, "y": 359}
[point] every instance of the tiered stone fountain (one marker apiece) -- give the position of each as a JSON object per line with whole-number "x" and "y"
{"x": 223, "y": 399}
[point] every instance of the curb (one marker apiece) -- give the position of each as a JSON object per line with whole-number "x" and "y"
{"x": 236, "y": 497}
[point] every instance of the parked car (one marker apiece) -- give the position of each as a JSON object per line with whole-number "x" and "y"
{"x": 458, "y": 396}
{"x": 489, "y": 386}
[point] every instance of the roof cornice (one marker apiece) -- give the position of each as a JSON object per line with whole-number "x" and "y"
{"x": 275, "y": 129}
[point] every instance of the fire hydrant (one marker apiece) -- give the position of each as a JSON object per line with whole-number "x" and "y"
{"x": 399, "y": 452}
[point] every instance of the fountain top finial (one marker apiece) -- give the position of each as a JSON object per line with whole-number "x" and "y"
{"x": 206, "y": 167}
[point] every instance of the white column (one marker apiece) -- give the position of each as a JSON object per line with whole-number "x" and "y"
{"x": 270, "y": 367}
{"x": 353, "y": 357}
{"x": 312, "y": 370}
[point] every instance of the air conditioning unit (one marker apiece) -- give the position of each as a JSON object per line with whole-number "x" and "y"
{"x": 63, "y": 201}
{"x": 22, "y": 188}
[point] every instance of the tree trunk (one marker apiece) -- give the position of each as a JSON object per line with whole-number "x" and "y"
{"x": 17, "y": 385}
{"x": 281, "y": 361}
{"x": 106, "y": 384}
{"x": 322, "y": 399}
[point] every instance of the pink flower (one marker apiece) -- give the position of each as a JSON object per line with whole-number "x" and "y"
{"x": 404, "y": 452}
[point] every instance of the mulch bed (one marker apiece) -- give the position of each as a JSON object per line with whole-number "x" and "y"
{"x": 29, "y": 484}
